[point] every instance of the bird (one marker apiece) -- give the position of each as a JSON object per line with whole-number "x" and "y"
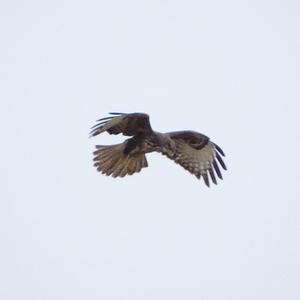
{"x": 190, "y": 149}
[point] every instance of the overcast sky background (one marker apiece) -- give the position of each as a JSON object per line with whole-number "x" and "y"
{"x": 228, "y": 69}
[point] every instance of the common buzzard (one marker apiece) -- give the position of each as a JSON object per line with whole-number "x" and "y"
{"x": 192, "y": 150}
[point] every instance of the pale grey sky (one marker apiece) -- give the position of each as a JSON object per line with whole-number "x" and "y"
{"x": 228, "y": 69}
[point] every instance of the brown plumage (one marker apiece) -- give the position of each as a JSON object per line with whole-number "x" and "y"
{"x": 192, "y": 150}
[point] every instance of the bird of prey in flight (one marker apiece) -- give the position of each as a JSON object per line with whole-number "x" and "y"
{"x": 192, "y": 150}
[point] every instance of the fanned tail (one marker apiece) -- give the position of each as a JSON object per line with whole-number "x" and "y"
{"x": 112, "y": 161}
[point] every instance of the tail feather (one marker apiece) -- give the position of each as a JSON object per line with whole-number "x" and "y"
{"x": 140, "y": 164}
{"x": 134, "y": 165}
{"x": 118, "y": 168}
{"x": 112, "y": 161}
{"x": 124, "y": 170}
{"x": 113, "y": 169}
{"x": 144, "y": 163}
{"x": 108, "y": 165}
{"x": 131, "y": 167}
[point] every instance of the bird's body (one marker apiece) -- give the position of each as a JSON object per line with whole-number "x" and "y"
{"x": 192, "y": 150}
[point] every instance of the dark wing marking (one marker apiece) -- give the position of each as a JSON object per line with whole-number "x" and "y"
{"x": 127, "y": 124}
{"x": 194, "y": 139}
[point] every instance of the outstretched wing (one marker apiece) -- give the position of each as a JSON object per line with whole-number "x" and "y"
{"x": 127, "y": 124}
{"x": 197, "y": 154}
